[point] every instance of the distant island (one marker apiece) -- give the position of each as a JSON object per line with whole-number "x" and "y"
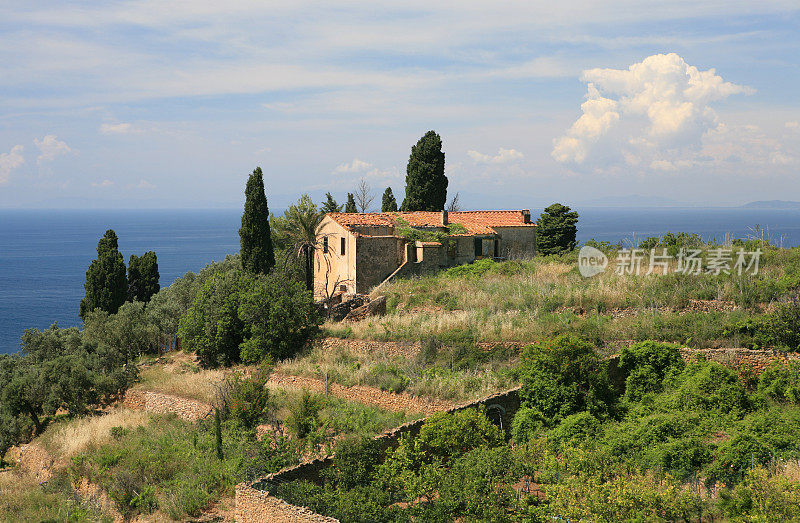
{"x": 772, "y": 204}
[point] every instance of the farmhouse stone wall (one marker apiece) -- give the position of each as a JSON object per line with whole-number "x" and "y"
{"x": 376, "y": 258}
{"x": 158, "y": 403}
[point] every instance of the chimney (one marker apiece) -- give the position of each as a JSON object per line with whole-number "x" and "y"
{"x": 526, "y": 216}
{"x": 445, "y": 221}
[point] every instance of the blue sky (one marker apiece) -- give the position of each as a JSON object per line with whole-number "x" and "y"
{"x": 160, "y": 104}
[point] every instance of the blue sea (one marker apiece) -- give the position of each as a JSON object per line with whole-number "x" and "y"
{"x": 44, "y": 254}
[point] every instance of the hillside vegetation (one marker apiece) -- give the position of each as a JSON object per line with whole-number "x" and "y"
{"x": 528, "y": 300}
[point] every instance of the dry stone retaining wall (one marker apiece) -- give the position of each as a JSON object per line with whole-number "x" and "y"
{"x": 254, "y": 503}
{"x": 402, "y": 402}
{"x": 158, "y": 403}
{"x": 756, "y": 360}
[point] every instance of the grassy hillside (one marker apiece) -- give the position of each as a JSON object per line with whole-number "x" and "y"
{"x": 538, "y": 298}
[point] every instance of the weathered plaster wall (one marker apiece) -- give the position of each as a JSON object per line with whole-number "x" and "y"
{"x": 517, "y": 242}
{"x": 332, "y": 269}
{"x": 461, "y": 250}
{"x": 376, "y": 257}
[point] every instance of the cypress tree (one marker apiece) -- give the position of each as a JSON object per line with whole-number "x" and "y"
{"x": 330, "y": 204}
{"x": 143, "y": 277}
{"x": 106, "y": 283}
{"x": 426, "y": 184}
{"x": 351, "y": 204}
{"x": 388, "y": 203}
{"x": 257, "y": 253}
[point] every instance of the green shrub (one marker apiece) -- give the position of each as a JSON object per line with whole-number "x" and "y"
{"x": 783, "y": 325}
{"x": 470, "y": 270}
{"x": 645, "y": 366}
{"x": 528, "y": 424}
{"x": 387, "y": 377}
{"x": 246, "y": 399}
{"x": 576, "y": 429}
{"x": 237, "y": 316}
{"x": 705, "y": 386}
{"x": 304, "y": 416}
{"x": 781, "y": 382}
{"x": 416, "y": 467}
{"x": 565, "y": 376}
{"x": 355, "y": 463}
{"x": 279, "y": 317}
{"x": 762, "y": 497}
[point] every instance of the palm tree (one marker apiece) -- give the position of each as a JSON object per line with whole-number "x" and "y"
{"x": 299, "y": 229}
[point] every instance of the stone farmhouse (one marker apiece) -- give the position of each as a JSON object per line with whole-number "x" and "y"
{"x": 357, "y": 252}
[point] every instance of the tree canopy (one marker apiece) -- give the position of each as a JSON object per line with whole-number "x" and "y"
{"x": 106, "y": 282}
{"x": 143, "y": 277}
{"x": 351, "y": 203}
{"x": 426, "y": 183}
{"x": 388, "y": 202}
{"x": 297, "y": 230}
{"x": 557, "y": 229}
{"x": 257, "y": 252}
{"x": 237, "y": 316}
{"x": 330, "y": 205}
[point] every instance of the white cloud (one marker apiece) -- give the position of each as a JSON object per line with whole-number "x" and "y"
{"x": 654, "y": 113}
{"x": 50, "y": 147}
{"x": 144, "y": 184}
{"x": 103, "y": 184}
{"x": 10, "y": 161}
{"x": 792, "y": 125}
{"x": 116, "y": 128}
{"x": 503, "y": 156}
{"x": 356, "y": 166}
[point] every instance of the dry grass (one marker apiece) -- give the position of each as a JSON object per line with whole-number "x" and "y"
{"x": 399, "y": 373}
{"x": 24, "y": 499}
{"x": 73, "y": 437}
{"x": 791, "y": 469}
{"x": 531, "y": 299}
{"x": 178, "y": 375}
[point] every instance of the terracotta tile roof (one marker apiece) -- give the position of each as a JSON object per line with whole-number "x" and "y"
{"x": 476, "y": 222}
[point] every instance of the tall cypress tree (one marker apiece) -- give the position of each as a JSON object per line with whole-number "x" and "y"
{"x": 106, "y": 283}
{"x": 351, "y": 203}
{"x": 426, "y": 184}
{"x": 388, "y": 203}
{"x": 143, "y": 277}
{"x": 258, "y": 255}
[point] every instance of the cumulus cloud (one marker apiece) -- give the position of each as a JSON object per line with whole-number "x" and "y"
{"x": 50, "y": 147}
{"x": 116, "y": 128}
{"x": 356, "y": 166}
{"x": 503, "y": 156}
{"x": 10, "y": 161}
{"x": 103, "y": 184}
{"x": 656, "y": 113}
